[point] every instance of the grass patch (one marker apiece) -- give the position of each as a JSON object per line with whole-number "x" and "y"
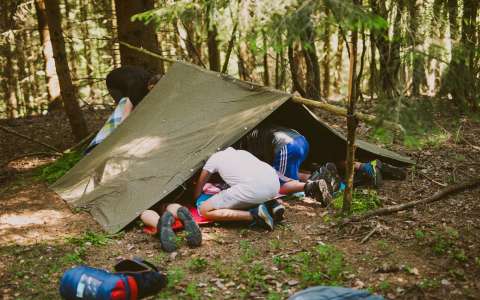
{"x": 57, "y": 169}
{"x": 322, "y": 265}
{"x": 197, "y": 264}
{"x": 362, "y": 200}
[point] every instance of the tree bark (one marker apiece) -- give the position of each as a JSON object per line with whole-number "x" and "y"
{"x": 53, "y": 86}
{"x": 137, "y": 34}
{"x": 266, "y": 73}
{"x": 87, "y": 53}
{"x": 9, "y": 85}
{"x": 294, "y": 70}
{"x": 338, "y": 68}
{"x": 212, "y": 43}
{"x": 309, "y": 50}
{"x": 72, "y": 109}
{"x": 352, "y": 122}
{"x": 326, "y": 59}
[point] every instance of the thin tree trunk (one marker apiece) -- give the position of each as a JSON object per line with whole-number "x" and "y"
{"x": 75, "y": 116}
{"x": 9, "y": 83}
{"x": 352, "y": 122}
{"x": 266, "y": 74}
{"x": 71, "y": 48}
{"x": 23, "y": 80}
{"x": 338, "y": 68}
{"x": 326, "y": 59}
{"x": 212, "y": 43}
{"x": 137, "y": 34}
{"x": 294, "y": 70}
{"x": 87, "y": 53}
{"x": 309, "y": 50}
{"x": 53, "y": 86}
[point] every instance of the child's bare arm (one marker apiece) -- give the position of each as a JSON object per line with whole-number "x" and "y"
{"x": 202, "y": 179}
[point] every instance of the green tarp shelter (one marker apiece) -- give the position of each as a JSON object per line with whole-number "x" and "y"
{"x": 190, "y": 114}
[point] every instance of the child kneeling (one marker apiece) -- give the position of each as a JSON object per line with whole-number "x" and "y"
{"x": 252, "y": 183}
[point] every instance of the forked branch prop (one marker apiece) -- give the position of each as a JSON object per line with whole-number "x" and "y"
{"x": 396, "y": 208}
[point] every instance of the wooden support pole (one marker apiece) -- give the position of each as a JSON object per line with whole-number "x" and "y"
{"x": 343, "y": 112}
{"x": 148, "y": 52}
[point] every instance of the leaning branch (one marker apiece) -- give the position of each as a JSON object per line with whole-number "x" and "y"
{"x": 148, "y": 52}
{"x": 26, "y": 137}
{"x": 343, "y": 112}
{"x": 395, "y": 208}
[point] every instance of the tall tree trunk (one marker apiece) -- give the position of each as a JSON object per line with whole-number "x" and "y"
{"x": 266, "y": 73}
{"x": 309, "y": 50}
{"x": 417, "y": 61}
{"x": 137, "y": 34}
{"x": 352, "y": 121}
{"x": 75, "y": 116}
{"x": 192, "y": 46}
{"x": 326, "y": 59}
{"x": 294, "y": 71}
{"x": 71, "y": 48}
{"x": 338, "y": 67}
{"x": 115, "y": 47}
{"x": 389, "y": 49}
{"x": 9, "y": 84}
{"x": 53, "y": 86}
{"x": 372, "y": 82}
{"x": 87, "y": 53}
{"x": 32, "y": 106}
{"x": 23, "y": 80}
{"x": 212, "y": 43}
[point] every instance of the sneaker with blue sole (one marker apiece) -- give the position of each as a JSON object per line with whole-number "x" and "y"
{"x": 262, "y": 217}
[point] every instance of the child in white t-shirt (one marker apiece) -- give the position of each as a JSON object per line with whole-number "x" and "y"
{"x": 252, "y": 183}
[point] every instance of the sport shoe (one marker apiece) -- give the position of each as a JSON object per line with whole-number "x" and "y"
{"x": 276, "y": 209}
{"x": 320, "y": 191}
{"x": 370, "y": 173}
{"x": 148, "y": 278}
{"x": 329, "y": 173}
{"x": 262, "y": 217}
{"x": 165, "y": 231}
{"x": 194, "y": 235}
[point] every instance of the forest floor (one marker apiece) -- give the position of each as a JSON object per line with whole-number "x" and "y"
{"x": 429, "y": 252}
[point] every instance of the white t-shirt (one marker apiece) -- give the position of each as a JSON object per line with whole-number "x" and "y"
{"x": 257, "y": 179}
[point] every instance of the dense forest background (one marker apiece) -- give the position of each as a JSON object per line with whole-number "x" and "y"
{"x": 407, "y": 49}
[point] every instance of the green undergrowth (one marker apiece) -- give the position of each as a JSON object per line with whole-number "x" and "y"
{"x": 362, "y": 200}
{"x": 421, "y": 130}
{"x": 58, "y": 168}
{"x": 34, "y": 271}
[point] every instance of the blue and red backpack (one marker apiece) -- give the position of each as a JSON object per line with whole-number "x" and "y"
{"x": 133, "y": 279}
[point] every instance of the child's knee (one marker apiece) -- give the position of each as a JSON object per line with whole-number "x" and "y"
{"x": 150, "y": 217}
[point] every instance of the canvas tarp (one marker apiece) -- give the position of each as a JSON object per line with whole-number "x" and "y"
{"x": 190, "y": 114}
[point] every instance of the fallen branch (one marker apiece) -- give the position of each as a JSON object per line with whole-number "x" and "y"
{"x": 395, "y": 208}
{"x": 26, "y": 137}
{"x": 343, "y": 112}
{"x": 148, "y": 52}
{"x": 433, "y": 180}
{"x": 369, "y": 235}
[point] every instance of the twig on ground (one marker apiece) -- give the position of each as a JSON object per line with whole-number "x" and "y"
{"x": 369, "y": 235}
{"x": 26, "y": 137}
{"x": 395, "y": 208}
{"x": 433, "y": 180}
